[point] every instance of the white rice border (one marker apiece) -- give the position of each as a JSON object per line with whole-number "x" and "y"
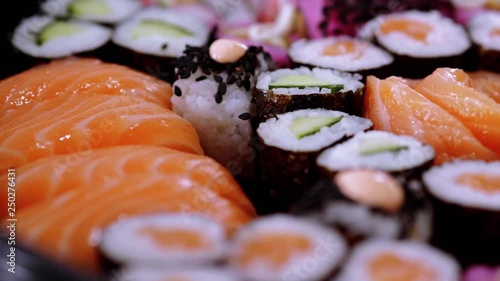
{"x": 276, "y": 131}
{"x": 350, "y": 81}
{"x": 480, "y": 27}
{"x": 448, "y": 38}
{"x": 440, "y": 181}
{"x": 328, "y": 250}
{"x": 120, "y": 9}
{"x": 91, "y": 37}
{"x": 311, "y": 52}
{"x": 346, "y": 155}
{"x": 153, "y": 44}
{"x": 355, "y": 268}
{"x": 121, "y": 243}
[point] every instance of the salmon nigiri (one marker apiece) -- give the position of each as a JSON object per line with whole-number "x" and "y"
{"x": 48, "y": 177}
{"x": 452, "y": 90}
{"x": 78, "y": 123}
{"x": 68, "y": 228}
{"x": 394, "y": 106}
{"x": 84, "y": 76}
{"x": 486, "y": 82}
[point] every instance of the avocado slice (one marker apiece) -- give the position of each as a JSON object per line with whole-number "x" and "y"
{"x": 379, "y": 145}
{"x": 56, "y": 29}
{"x": 150, "y": 27}
{"x": 80, "y": 8}
{"x": 302, "y": 81}
{"x": 305, "y": 126}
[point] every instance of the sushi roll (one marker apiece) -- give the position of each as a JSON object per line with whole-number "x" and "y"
{"x": 382, "y": 260}
{"x": 155, "y": 37}
{"x": 400, "y": 155}
{"x": 484, "y": 30}
{"x": 213, "y": 93}
{"x": 164, "y": 239}
{"x": 482, "y": 273}
{"x": 182, "y": 273}
{"x": 284, "y": 247}
{"x": 466, "y": 199}
{"x": 420, "y": 41}
{"x": 290, "y": 143}
{"x": 367, "y": 203}
{"x": 285, "y": 90}
{"x": 343, "y": 53}
{"x": 41, "y": 38}
{"x": 108, "y": 12}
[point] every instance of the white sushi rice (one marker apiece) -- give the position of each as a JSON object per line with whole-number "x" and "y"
{"x": 153, "y": 44}
{"x": 311, "y": 52}
{"x": 276, "y": 131}
{"x": 120, "y": 10}
{"x": 447, "y": 38}
{"x": 347, "y": 154}
{"x": 441, "y": 181}
{"x": 145, "y": 273}
{"x": 480, "y": 27}
{"x": 327, "y": 251}
{"x": 357, "y": 266}
{"x": 351, "y": 82}
{"x": 90, "y": 37}
{"x": 124, "y": 243}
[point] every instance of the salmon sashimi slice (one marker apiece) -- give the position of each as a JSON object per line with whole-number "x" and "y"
{"x": 452, "y": 90}
{"x": 84, "y": 76}
{"x": 68, "y": 228}
{"x": 46, "y": 178}
{"x": 78, "y": 123}
{"x": 395, "y": 107}
{"x": 486, "y": 82}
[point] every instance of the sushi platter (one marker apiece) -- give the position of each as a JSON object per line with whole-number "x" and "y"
{"x": 259, "y": 140}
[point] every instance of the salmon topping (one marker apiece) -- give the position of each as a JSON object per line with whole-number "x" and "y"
{"x": 176, "y": 238}
{"x": 495, "y": 32}
{"x": 483, "y": 182}
{"x": 344, "y": 47}
{"x": 274, "y": 249}
{"x": 413, "y": 28}
{"x": 390, "y": 267}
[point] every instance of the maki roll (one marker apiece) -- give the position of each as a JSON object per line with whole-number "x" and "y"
{"x": 367, "y": 203}
{"x": 290, "y": 143}
{"x": 484, "y": 30}
{"x": 41, "y": 38}
{"x": 213, "y": 93}
{"x": 182, "y": 273}
{"x": 284, "y": 247}
{"x": 155, "y": 37}
{"x": 400, "y": 155}
{"x": 382, "y": 260}
{"x": 285, "y": 90}
{"x": 107, "y": 12}
{"x": 420, "y": 41}
{"x": 164, "y": 239}
{"x": 466, "y": 199}
{"x": 342, "y": 53}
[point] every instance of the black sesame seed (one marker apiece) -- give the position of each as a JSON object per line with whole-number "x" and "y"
{"x": 239, "y": 82}
{"x": 164, "y": 46}
{"x": 205, "y": 71}
{"x": 201, "y": 78}
{"x": 246, "y": 84}
{"x": 245, "y": 116}
{"x": 230, "y": 79}
{"x": 222, "y": 89}
{"x": 217, "y": 78}
{"x": 218, "y": 98}
{"x": 185, "y": 75}
{"x": 177, "y": 91}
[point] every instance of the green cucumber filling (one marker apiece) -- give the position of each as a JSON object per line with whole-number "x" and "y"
{"x": 379, "y": 145}
{"x": 305, "y": 126}
{"x": 152, "y": 27}
{"x": 303, "y": 81}
{"x": 81, "y": 8}
{"x": 56, "y": 29}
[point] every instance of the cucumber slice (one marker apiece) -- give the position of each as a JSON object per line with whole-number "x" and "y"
{"x": 305, "y": 126}
{"x": 302, "y": 81}
{"x": 151, "y": 27}
{"x": 56, "y": 29}
{"x": 81, "y": 8}
{"x": 379, "y": 145}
